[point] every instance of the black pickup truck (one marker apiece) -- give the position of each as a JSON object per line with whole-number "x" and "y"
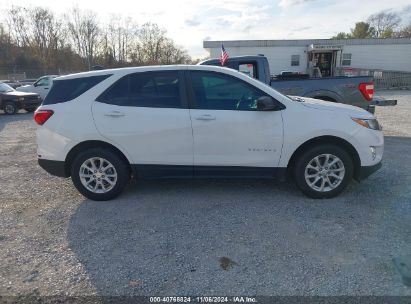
{"x": 356, "y": 91}
{"x": 11, "y": 100}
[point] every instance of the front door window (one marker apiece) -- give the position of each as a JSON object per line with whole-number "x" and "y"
{"x": 42, "y": 82}
{"x": 216, "y": 91}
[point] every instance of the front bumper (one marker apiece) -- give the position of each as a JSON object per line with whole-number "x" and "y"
{"x": 380, "y": 103}
{"x": 366, "y": 171}
{"x": 384, "y": 102}
{"x": 29, "y": 104}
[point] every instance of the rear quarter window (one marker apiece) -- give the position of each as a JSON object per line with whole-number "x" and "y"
{"x": 66, "y": 90}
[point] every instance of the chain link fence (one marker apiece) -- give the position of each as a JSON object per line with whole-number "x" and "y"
{"x": 383, "y": 80}
{"x": 15, "y": 73}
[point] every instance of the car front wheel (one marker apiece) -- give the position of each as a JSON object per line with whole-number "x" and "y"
{"x": 99, "y": 174}
{"x": 10, "y": 108}
{"x": 323, "y": 171}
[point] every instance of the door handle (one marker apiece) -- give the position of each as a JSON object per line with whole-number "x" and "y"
{"x": 205, "y": 117}
{"x": 114, "y": 114}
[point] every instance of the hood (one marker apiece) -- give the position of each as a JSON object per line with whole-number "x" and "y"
{"x": 25, "y": 87}
{"x": 333, "y": 106}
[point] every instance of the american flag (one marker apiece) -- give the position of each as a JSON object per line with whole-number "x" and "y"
{"x": 224, "y": 56}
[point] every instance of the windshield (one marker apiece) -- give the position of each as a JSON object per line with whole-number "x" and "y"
{"x": 5, "y": 88}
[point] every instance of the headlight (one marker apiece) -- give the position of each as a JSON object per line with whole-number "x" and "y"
{"x": 368, "y": 123}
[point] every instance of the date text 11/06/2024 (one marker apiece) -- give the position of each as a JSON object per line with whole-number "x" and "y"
{"x": 202, "y": 299}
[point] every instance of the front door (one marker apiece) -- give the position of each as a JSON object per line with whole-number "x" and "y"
{"x": 324, "y": 63}
{"x": 42, "y": 86}
{"x": 228, "y": 129}
{"x": 144, "y": 113}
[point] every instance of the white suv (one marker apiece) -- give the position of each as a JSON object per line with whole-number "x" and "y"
{"x": 103, "y": 127}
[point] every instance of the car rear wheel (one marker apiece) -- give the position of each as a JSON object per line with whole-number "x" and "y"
{"x": 323, "y": 171}
{"x": 99, "y": 174}
{"x": 10, "y": 108}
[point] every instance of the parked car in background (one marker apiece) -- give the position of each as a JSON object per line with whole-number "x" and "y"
{"x": 11, "y": 100}
{"x": 27, "y": 81}
{"x": 103, "y": 127}
{"x": 13, "y": 83}
{"x": 357, "y": 91}
{"x": 41, "y": 86}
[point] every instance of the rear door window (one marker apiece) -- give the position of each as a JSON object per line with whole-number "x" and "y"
{"x": 117, "y": 94}
{"x": 146, "y": 89}
{"x": 68, "y": 89}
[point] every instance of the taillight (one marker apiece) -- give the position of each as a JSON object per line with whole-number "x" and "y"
{"x": 367, "y": 90}
{"x": 41, "y": 116}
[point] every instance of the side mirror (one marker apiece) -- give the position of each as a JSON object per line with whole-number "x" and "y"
{"x": 266, "y": 103}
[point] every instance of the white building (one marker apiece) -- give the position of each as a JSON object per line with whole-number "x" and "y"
{"x": 330, "y": 56}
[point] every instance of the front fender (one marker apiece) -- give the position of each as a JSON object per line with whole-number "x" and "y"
{"x": 291, "y": 146}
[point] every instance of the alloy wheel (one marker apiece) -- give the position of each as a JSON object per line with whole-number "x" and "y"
{"x": 98, "y": 175}
{"x": 324, "y": 172}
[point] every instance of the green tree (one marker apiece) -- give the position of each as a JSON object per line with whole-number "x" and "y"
{"x": 340, "y": 35}
{"x": 388, "y": 33}
{"x": 362, "y": 30}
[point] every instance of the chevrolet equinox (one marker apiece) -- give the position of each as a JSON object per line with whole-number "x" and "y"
{"x": 103, "y": 127}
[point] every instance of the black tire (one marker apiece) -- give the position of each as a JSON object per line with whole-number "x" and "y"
{"x": 307, "y": 156}
{"x": 10, "y": 108}
{"x": 120, "y": 166}
{"x": 30, "y": 110}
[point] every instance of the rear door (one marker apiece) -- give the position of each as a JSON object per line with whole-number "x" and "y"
{"x": 146, "y": 114}
{"x": 228, "y": 129}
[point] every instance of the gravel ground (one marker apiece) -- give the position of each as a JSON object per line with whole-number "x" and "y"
{"x": 203, "y": 237}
